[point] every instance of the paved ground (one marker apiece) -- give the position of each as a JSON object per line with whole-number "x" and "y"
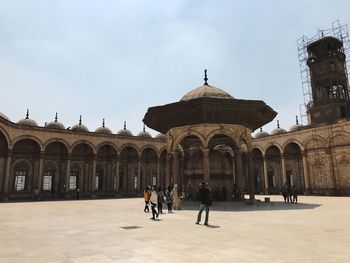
{"x": 316, "y": 230}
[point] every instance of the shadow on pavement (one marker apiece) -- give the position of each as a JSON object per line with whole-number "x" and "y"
{"x": 244, "y": 207}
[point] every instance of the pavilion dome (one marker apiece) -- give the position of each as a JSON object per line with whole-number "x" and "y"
{"x": 261, "y": 134}
{"x": 4, "y": 116}
{"x": 55, "y": 124}
{"x": 103, "y": 129}
{"x": 27, "y": 121}
{"x": 296, "y": 126}
{"x": 206, "y": 91}
{"x": 144, "y": 133}
{"x": 278, "y": 130}
{"x": 80, "y": 127}
{"x": 124, "y": 131}
{"x": 161, "y": 136}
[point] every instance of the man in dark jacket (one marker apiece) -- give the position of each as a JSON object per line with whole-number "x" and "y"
{"x": 204, "y": 198}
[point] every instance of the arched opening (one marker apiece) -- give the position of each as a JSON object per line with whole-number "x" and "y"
{"x": 258, "y": 170}
{"x": 128, "y": 171}
{"x": 81, "y": 172}
{"x": 3, "y": 157}
{"x": 24, "y": 168}
{"x": 274, "y": 172}
{"x": 149, "y": 168}
{"x": 105, "y": 170}
{"x": 54, "y": 170}
{"x": 294, "y": 166}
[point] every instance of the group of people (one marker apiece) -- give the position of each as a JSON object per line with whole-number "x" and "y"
{"x": 155, "y": 197}
{"x": 290, "y": 194}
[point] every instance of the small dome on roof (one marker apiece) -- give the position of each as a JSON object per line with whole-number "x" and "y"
{"x": 55, "y": 124}
{"x": 4, "y": 116}
{"x": 27, "y": 121}
{"x": 296, "y": 126}
{"x": 206, "y": 91}
{"x": 143, "y": 133}
{"x": 124, "y": 131}
{"x": 261, "y": 134}
{"x": 278, "y": 130}
{"x": 161, "y": 136}
{"x": 80, "y": 127}
{"x": 103, "y": 129}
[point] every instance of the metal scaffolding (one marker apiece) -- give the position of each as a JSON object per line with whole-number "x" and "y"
{"x": 338, "y": 31}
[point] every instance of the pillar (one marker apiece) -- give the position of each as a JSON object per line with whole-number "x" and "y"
{"x": 40, "y": 174}
{"x": 175, "y": 167}
{"x": 239, "y": 169}
{"x": 251, "y": 177}
{"x": 283, "y": 164}
{"x": 68, "y": 173}
{"x": 93, "y": 174}
{"x": 206, "y": 168}
{"x": 158, "y": 173}
{"x": 167, "y": 173}
{"x": 266, "y": 179}
{"x": 7, "y": 172}
{"x": 306, "y": 174}
{"x": 117, "y": 178}
{"x": 138, "y": 187}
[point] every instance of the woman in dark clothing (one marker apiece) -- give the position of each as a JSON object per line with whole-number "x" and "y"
{"x": 169, "y": 199}
{"x": 160, "y": 200}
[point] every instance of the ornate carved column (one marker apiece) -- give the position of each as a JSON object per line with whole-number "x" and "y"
{"x": 167, "y": 175}
{"x": 251, "y": 177}
{"x": 283, "y": 166}
{"x": 266, "y": 179}
{"x": 176, "y": 167}
{"x": 68, "y": 172}
{"x": 206, "y": 165}
{"x": 306, "y": 174}
{"x": 40, "y": 174}
{"x": 7, "y": 172}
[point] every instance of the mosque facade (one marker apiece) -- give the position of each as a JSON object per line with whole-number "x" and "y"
{"x": 206, "y": 136}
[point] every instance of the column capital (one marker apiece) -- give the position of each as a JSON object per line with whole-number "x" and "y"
{"x": 205, "y": 152}
{"x": 304, "y": 154}
{"x": 9, "y": 152}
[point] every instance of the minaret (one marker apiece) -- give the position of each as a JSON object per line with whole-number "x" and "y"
{"x": 329, "y": 81}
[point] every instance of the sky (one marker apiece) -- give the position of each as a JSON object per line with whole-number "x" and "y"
{"x": 114, "y": 59}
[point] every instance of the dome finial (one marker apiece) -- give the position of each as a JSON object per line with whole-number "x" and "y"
{"x": 27, "y": 115}
{"x": 124, "y": 125}
{"x": 56, "y": 117}
{"x": 296, "y": 119}
{"x": 278, "y": 124}
{"x": 103, "y": 122}
{"x": 144, "y": 128}
{"x": 80, "y": 120}
{"x": 205, "y": 77}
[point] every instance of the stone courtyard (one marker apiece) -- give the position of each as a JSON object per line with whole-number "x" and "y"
{"x": 117, "y": 230}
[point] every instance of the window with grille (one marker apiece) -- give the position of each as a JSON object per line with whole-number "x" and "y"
{"x": 73, "y": 180}
{"x": 20, "y": 180}
{"x": 48, "y": 179}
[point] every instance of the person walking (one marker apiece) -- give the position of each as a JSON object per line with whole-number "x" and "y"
{"x": 154, "y": 200}
{"x": 146, "y": 196}
{"x": 160, "y": 200}
{"x": 285, "y": 193}
{"x": 169, "y": 199}
{"x": 204, "y": 198}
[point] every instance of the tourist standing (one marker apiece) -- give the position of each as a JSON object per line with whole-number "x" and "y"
{"x": 78, "y": 193}
{"x": 204, "y": 198}
{"x": 154, "y": 200}
{"x": 176, "y": 198}
{"x": 36, "y": 194}
{"x": 146, "y": 196}
{"x": 294, "y": 194}
{"x": 160, "y": 200}
{"x": 224, "y": 193}
{"x": 285, "y": 193}
{"x": 169, "y": 199}
{"x": 189, "y": 192}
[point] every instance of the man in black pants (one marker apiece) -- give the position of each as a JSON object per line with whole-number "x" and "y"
{"x": 204, "y": 197}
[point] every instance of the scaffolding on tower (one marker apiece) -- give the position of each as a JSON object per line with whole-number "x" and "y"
{"x": 338, "y": 31}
